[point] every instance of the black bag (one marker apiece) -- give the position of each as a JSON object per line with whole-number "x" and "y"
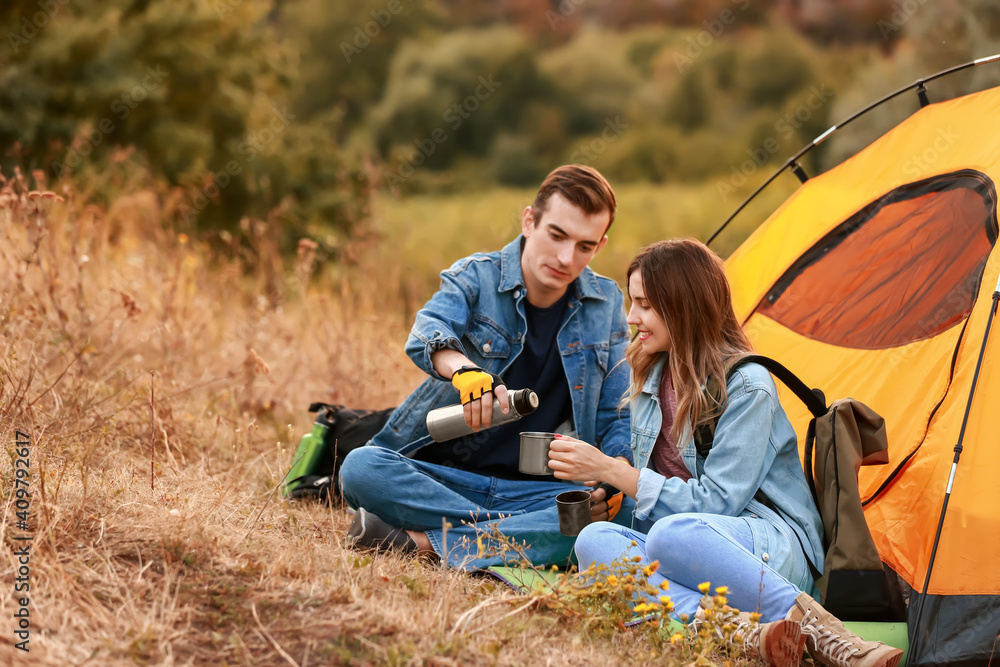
{"x": 854, "y": 583}
{"x": 336, "y": 432}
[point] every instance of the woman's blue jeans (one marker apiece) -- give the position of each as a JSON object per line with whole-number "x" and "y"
{"x": 417, "y": 495}
{"x": 691, "y": 549}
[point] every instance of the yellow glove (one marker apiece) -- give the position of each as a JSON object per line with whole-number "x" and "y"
{"x": 472, "y": 382}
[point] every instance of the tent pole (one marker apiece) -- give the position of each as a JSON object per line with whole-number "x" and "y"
{"x": 921, "y": 94}
{"x": 951, "y": 480}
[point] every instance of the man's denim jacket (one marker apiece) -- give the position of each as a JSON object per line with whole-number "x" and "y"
{"x": 754, "y": 448}
{"x": 479, "y": 311}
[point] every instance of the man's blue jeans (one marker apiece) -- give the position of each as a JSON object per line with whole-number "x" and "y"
{"x": 419, "y": 496}
{"x": 692, "y": 549}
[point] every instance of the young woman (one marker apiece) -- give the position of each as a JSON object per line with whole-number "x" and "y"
{"x": 742, "y": 516}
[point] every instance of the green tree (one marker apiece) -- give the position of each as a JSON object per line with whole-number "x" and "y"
{"x": 688, "y": 106}
{"x": 345, "y": 49}
{"x": 454, "y": 96}
{"x": 773, "y": 73}
{"x": 593, "y": 78}
{"x": 201, "y": 88}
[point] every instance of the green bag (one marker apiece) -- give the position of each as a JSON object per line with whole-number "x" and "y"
{"x": 336, "y": 432}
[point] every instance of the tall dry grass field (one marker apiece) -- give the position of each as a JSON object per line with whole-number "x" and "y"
{"x": 161, "y": 387}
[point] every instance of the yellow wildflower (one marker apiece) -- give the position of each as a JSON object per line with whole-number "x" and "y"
{"x": 722, "y": 590}
{"x": 612, "y": 580}
{"x": 755, "y": 617}
{"x": 704, "y": 586}
{"x": 664, "y": 585}
{"x": 636, "y": 559}
{"x": 678, "y": 637}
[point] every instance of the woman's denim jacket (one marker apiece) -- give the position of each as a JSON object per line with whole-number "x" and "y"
{"x": 754, "y": 448}
{"x": 479, "y": 311}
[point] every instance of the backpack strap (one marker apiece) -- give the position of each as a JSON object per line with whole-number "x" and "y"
{"x": 704, "y": 435}
{"x": 814, "y": 400}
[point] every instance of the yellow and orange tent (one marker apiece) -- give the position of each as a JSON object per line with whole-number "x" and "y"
{"x": 875, "y": 280}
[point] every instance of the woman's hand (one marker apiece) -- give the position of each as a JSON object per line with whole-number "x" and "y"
{"x": 570, "y": 458}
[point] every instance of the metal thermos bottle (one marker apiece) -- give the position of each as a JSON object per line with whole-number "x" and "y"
{"x": 448, "y": 423}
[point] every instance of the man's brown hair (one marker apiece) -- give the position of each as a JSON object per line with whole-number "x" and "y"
{"x": 581, "y": 186}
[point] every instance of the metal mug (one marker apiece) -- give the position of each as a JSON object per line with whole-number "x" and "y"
{"x": 574, "y": 511}
{"x": 534, "y": 456}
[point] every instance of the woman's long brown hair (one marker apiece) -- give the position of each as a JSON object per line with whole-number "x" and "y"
{"x": 686, "y": 286}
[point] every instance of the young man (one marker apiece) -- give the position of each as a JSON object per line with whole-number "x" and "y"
{"x": 531, "y": 315}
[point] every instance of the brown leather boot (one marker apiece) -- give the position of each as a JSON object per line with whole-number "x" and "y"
{"x": 830, "y": 643}
{"x": 779, "y": 643}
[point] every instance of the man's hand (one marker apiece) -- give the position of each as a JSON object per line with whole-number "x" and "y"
{"x": 605, "y": 501}
{"x": 476, "y": 388}
{"x": 472, "y": 382}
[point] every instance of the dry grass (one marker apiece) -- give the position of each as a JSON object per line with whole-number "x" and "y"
{"x": 125, "y": 345}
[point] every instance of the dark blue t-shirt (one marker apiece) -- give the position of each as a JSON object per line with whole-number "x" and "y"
{"x": 495, "y": 451}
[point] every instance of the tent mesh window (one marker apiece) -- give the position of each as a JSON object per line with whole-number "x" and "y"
{"x": 902, "y": 269}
